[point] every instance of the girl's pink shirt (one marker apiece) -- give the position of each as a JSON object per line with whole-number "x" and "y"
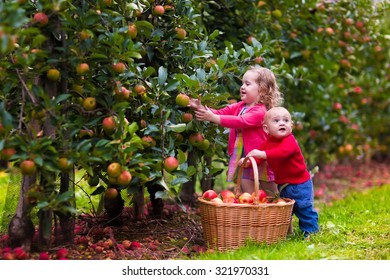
{"x": 250, "y": 123}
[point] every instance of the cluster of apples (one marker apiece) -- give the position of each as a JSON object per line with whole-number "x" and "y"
{"x": 227, "y": 196}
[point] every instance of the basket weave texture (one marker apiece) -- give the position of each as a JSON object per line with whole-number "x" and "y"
{"x": 228, "y": 226}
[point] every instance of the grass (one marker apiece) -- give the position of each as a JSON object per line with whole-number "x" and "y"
{"x": 9, "y": 193}
{"x": 356, "y": 228}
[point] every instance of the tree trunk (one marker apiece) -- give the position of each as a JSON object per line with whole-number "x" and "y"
{"x": 188, "y": 188}
{"x": 157, "y": 203}
{"x": 207, "y": 181}
{"x": 66, "y": 221}
{"x": 21, "y": 228}
{"x": 139, "y": 204}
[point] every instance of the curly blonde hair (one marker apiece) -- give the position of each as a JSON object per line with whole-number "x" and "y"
{"x": 269, "y": 92}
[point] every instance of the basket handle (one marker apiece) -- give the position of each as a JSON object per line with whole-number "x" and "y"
{"x": 256, "y": 178}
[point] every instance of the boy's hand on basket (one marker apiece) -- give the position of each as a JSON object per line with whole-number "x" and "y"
{"x": 257, "y": 154}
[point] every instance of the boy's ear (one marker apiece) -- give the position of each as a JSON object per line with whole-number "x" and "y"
{"x": 265, "y": 128}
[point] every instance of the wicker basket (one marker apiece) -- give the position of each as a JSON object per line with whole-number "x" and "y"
{"x": 228, "y": 226}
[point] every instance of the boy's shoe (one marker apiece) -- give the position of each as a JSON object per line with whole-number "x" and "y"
{"x": 306, "y": 235}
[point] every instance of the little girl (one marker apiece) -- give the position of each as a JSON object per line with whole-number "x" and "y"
{"x": 259, "y": 92}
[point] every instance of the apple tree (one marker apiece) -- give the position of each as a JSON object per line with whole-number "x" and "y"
{"x": 90, "y": 88}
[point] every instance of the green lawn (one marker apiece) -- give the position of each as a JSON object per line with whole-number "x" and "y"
{"x": 357, "y": 228}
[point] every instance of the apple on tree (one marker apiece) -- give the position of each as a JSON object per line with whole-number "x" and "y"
{"x": 89, "y": 103}
{"x": 111, "y": 193}
{"x": 114, "y": 169}
{"x": 28, "y": 167}
{"x": 182, "y": 100}
{"x": 41, "y": 18}
{"x": 196, "y": 139}
{"x": 171, "y": 164}
{"x": 82, "y": 68}
{"x": 158, "y": 10}
{"x": 109, "y": 125}
{"x": 124, "y": 178}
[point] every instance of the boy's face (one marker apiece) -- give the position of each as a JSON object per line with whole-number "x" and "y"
{"x": 278, "y": 123}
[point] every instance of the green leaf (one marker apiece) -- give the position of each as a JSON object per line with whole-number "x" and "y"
{"x": 180, "y": 180}
{"x": 162, "y": 75}
{"x": 181, "y": 156}
{"x": 148, "y": 72}
{"x": 215, "y": 34}
{"x": 98, "y": 190}
{"x": 177, "y": 127}
{"x": 132, "y": 128}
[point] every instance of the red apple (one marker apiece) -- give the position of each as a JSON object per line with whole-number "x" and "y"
{"x": 217, "y": 200}
{"x": 119, "y": 67}
{"x": 7, "y": 153}
{"x": 171, "y": 164}
{"x": 262, "y": 196}
{"x": 41, "y": 18}
{"x": 209, "y": 195}
{"x": 109, "y": 125}
{"x": 111, "y": 193}
{"x": 245, "y": 198}
{"x": 28, "y": 167}
{"x": 187, "y": 117}
{"x": 337, "y": 106}
{"x": 82, "y": 68}
{"x": 226, "y": 194}
{"x": 124, "y": 178}
{"x": 196, "y": 139}
{"x": 230, "y": 200}
{"x": 158, "y": 10}
{"x": 132, "y": 31}
{"x": 181, "y": 33}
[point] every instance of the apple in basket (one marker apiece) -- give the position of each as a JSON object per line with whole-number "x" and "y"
{"x": 262, "y": 196}
{"x": 245, "y": 198}
{"x": 209, "y": 195}
{"x": 217, "y": 200}
{"x": 230, "y": 200}
{"x": 226, "y": 193}
{"x": 281, "y": 201}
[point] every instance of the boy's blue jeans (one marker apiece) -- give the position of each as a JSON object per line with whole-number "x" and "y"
{"x": 303, "y": 195}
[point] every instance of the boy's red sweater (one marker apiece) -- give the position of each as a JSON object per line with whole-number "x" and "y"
{"x": 285, "y": 159}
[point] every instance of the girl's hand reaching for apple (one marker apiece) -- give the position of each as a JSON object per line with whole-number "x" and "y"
{"x": 195, "y": 103}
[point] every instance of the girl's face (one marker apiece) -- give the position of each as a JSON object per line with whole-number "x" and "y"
{"x": 278, "y": 123}
{"x": 249, "y": 91}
